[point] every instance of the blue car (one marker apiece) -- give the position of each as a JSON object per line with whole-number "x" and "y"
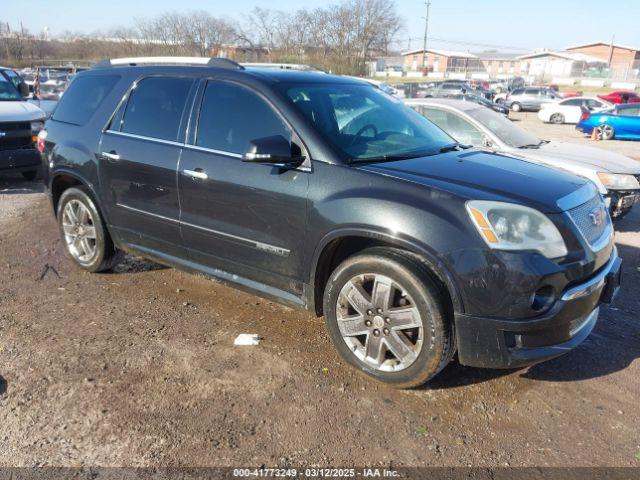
{"x": 622, "y": 122}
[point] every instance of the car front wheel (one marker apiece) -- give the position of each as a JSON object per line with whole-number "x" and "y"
{"x": 516, "y": 107}
{"x": 85, "y": 237}
{"x": 387, "y": 317}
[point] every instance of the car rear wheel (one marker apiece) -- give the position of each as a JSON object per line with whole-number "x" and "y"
{"x": 516, "y": 107}
{"x": 387, "y": 317}
{"x": 605, "y": 132}
{"x": 85, "y": 237}
{"x": 557, "y": 118}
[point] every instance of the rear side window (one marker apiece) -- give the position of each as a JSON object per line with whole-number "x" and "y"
{"x": 83, "y": 97}
{"x": 155, "y": 107}
{"x": 517, "y": 91}
{"x": 231, "y": 116}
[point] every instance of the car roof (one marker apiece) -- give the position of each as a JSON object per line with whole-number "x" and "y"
{"x": 269, "y": 75}
{"x": 461, "y": 105}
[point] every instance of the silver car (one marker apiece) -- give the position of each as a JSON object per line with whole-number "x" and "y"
{"x": 530, "y": 98}
{"x": 615, "y": 175}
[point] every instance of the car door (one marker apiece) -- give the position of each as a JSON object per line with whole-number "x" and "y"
{"x": 139, "y": 154}
{"x": 571, "y": 110}
{"x": 627, "y": 121}
{"x": 243, "y": 218}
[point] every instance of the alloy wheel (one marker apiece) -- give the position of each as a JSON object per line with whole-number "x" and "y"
{"x": 79, "y": 231}
{"x": 380, "y": 322}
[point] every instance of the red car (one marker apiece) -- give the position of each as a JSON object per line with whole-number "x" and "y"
{"x": 621, "y": 96}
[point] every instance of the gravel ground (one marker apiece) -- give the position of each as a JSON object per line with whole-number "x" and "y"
{"x": 137, "y": 368}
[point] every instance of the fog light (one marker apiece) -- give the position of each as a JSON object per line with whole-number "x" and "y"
{"x": 542, "y": 298}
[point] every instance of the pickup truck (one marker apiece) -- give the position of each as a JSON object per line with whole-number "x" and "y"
{"x": 20, "y": 123}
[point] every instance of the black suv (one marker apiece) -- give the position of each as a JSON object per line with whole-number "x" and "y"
{"x": 326, "y": 193}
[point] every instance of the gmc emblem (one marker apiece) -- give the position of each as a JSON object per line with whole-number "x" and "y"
{"x": 597, "y": 215}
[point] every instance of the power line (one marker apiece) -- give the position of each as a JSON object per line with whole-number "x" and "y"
{"x": 408, "y": 40}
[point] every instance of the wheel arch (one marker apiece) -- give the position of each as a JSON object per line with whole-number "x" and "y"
{"x": 63, "y": 179}
{"x": 341, "y": 244}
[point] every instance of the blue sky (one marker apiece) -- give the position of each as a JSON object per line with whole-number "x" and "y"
{"x": 517, "y": 24}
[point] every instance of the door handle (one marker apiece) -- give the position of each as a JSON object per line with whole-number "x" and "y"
{"x": 197, "y": 173}
{"x": 111, "y": 155}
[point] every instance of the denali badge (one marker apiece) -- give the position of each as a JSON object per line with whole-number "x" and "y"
{"x": 597, "y": 215}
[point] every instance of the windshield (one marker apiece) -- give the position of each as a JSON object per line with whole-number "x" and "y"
{"x": 363, "y": 123}
{"x": 8, "y": 91}
{"x": 503, "y": 128}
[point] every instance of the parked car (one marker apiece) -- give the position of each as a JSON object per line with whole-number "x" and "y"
{"x": 454, "y": 87}
{"x": 506, "y": 85}
{"x": 412, "y": 246}
{"x": 615, "y": 175}
{"x": 530, "y": 98}
{"x": 621, "y": 96}
{"x": 570, "y": 110}
{"x": 20, "y": 123}
{"x": 496, "y": 107}
{"x": 621, "y": 122}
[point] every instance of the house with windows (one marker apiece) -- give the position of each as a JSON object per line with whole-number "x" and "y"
{"x": 623, "y": 60}
{"x": 440, "y": 61}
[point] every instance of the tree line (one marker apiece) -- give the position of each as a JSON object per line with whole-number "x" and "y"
{"x": 339, "y": 37}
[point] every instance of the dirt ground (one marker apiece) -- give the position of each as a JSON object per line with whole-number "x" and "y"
{"x": 137, "y": 368}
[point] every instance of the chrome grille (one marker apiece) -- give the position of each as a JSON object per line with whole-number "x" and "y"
{"x": 583, "y": 217}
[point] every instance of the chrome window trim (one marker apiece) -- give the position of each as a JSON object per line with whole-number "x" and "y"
{"x": 172, "y": 143}
{"x": 265, "y": 247}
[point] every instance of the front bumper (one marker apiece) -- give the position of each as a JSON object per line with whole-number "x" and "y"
{"x": 19, "y": 160}
{"x": 501, "y": 343}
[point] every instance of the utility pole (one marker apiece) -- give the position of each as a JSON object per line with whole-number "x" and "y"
{"x": 426, "y": 29}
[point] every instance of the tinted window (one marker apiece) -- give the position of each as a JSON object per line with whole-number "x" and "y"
{"x": 231, "y": 116}
{"x": 454, "y": 125}
{"x": 517, "y": 91}
{"x": 83, "y": 97}
{"x": 7, "y": 90}
{"x": 531, "y": 91}
{"x": 573, "y": 102}
{"x": 14, "y": 77}
{"x": 155, "y": 107}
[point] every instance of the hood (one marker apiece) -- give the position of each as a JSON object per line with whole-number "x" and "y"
{"x": 17, "y": 111}
{"x": 488, "y": 176}
{"x": 581, "y": 155}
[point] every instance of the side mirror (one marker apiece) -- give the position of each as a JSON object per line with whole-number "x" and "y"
{"x": 24, "y": 89}
{"x": 273, "y": 150}
{"x": 486, "y": 142}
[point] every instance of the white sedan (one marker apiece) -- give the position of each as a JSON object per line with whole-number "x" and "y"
{"x": 569, "y": 110}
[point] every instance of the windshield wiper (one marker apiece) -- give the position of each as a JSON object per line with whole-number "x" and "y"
{"x": 453, "y": 147}
{"x": 534, "y": 145}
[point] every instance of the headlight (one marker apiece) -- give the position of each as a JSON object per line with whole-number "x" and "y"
{"x": 618, "y": 181}
{"x": 507, "y": 226}
{"x": 36, "y": 127}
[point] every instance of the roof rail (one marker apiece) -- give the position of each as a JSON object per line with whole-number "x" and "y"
{"x": 217, "y": 62}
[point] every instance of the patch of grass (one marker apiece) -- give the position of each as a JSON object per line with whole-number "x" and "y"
{"x": 422, "y": 430}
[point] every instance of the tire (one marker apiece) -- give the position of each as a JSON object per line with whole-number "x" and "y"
{"x": 605, "y": 132}
{"x": 500, "y": 101}
{"x": 417, "y": 316}
{"x": 30, "y": 175}
{"x": 85, "y": 237}
{"x": 516, "y": 107}
{"x": 557, "y": 118}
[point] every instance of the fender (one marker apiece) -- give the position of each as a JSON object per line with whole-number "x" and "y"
{"x": 83, "y": 180}
{"x": 433, "y": 261}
